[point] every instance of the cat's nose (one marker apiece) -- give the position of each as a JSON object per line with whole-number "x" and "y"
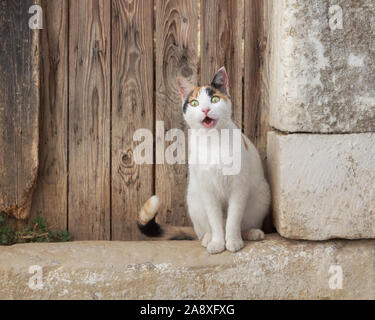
{"x": 206, "y": 111}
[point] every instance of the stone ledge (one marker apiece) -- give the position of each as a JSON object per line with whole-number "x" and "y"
{"x": 275, "y": 268}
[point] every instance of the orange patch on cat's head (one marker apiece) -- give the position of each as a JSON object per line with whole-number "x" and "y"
{"x": 194, "y": 94}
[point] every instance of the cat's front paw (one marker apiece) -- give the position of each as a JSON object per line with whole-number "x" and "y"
{"x": 215, "y": 247}
{"x": 206, "y": 239}
{"x": 234, "y": 245}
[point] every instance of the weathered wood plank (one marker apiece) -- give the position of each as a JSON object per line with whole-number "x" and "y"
{"x": 255, "y": 111}
{"x": 89, "y": 119}
{"x": 132, "y": 109}
{"x": 222, "y": 23}
{"x": 176, "y": 54}
{"x": 50, "y": 196}
{"x": 19, "y": 107}
{"x": 256, "y": 124}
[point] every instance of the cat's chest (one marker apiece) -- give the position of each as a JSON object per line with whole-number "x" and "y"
{"x": 212, "y": 156}
{"x": 211, "y": 179}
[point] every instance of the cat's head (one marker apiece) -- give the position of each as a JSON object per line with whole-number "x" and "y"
{"x": 208, "y": 106}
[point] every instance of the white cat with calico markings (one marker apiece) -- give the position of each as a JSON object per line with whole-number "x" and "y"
{"x": 224, "y": 209}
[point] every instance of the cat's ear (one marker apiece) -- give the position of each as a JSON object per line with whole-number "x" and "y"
{"x": 221, "y": 81}
{"x": 185, "y": 87}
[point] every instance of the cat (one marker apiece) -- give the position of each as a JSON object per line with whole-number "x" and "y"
{"x": 224, "y": 209}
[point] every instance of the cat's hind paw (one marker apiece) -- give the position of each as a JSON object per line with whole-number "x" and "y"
{"x": 215, "y": 247}
{"x": 234, "y": 245}
{"x": 253, "y": 235}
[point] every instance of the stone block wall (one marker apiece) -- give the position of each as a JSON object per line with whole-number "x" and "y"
{"x": 322, "y": 75}
{"x": 323, "y": 185}
{"x": 321, "y": 155}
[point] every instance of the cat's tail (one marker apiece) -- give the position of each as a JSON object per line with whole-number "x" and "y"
{"x": 148, "y": 226}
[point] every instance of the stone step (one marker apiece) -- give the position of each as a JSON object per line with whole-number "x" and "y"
{"x": 275, "y": 268}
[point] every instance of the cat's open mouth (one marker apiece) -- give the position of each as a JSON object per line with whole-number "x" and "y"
{"x": 209, "y": 122}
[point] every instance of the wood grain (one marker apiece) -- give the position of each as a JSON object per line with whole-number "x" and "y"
{"x": 98, "y": 80}
{"x": 222, "y": 23}
{"x": 132, "y": 109}
{"x": 89, "y": 119}
{"x": 255, "y": 111}
{"x": 19, "y": 107}
{"x": 50, "y": 196}
{"x": 256, "y": 120}
{"x": 176, "y": 54}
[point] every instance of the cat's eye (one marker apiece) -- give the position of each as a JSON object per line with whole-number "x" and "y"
{"x": 194, "y": 103}
{"x": 215, "y": 99}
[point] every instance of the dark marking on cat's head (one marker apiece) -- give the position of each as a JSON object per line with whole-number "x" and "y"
{"x": 221, "y": 81}
{"x": 151, "y": 229}
{"x": 211, "y": 92}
